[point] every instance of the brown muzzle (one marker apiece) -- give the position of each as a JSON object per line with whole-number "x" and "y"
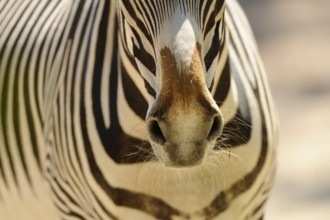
{"x": 184, "y": 122}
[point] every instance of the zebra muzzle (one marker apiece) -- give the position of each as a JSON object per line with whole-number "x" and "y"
{"x": 184, "y": 137}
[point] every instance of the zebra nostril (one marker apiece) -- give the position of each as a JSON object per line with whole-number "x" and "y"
{"x": 155, "y": 132}
{"x": 216, "y": 128}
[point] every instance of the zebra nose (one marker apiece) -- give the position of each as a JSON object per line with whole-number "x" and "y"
{"x": 182, "y": 137}
{"x": 155, "y": 132}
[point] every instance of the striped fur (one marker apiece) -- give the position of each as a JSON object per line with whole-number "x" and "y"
{"x": 77, "y": 79}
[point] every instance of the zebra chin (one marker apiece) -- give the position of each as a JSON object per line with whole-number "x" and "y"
{"x": 171, "y": 156}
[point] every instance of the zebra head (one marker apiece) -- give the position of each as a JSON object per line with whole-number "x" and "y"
{"x": 176, "y": 44}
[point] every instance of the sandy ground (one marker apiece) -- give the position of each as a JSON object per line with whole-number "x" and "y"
{"x": 294, "y": 41}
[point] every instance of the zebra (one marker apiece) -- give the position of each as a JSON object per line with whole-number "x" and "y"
{"x": 132, "y": 109}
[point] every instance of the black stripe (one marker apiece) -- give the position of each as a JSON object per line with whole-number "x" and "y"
{"x": 200, "y": 19}
{"x": 53, "y": 181}
{"x": 172, "y": 7}
{"x": 96, "y": 87}
{"x": 41, "y": 49}
{"x": 223, "y": 85}
{"x": 8, "y": 21}
{"x": 259, "y": 207}
{"x": 150, "y": 17}
{"x": 160, "y": 11}
{"x": 17, "y": 105}
{"x": 117, "y": 144}
{"x": 113, "y": 217}
{"x": 211, "y": 21}
{"x": 209, "y": 25}
{"x": 5, "y": 42}
{"x": 27, "y": 102}
{"x": 214, "y": 49}
{"x": 1, "y": 11}
{"x": 252, "y": 200}
{"x": 3, "y": 7}
{"x": 67, "y": 195}
{"x": 167, "y": 11}
{"x": 62, "y": 202}
{"x": 5, "y": 103}
{"x": 218, "y": 6}
{"x": 148, "y": 87}
{"x": 133, "y": 95}
{"x": 184, "y": 7}
{"x": 154, "y": 8}
{"x": 212, "y": 85}
{"x": 139, "y": 23}
{"x": 45, "y": 46}
{"x": 48, "y": 59}
{"x": 57, "y": 147}
{"x": 36, "y": 79}
{"x": 76, "y": 18}
{"x": 123, "y": 29}
{"x": 206, "y": 10}
{"x": 141, "y": 54}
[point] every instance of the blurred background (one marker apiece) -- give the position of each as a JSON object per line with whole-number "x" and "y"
{"x": 294, "y": 42}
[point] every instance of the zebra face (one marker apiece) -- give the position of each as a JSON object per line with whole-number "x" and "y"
{"x": 176, "y": 45}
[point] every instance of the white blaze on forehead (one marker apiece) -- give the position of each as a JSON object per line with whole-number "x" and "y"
{"x": 184, "y": 43}
{"x": 180, "y": 33}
